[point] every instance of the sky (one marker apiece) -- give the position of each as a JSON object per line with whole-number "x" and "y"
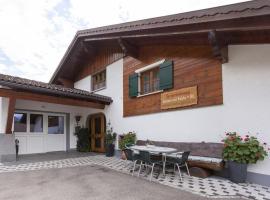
{"x": 35, "y": 34}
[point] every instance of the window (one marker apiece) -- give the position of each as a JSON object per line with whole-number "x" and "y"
{"x": 99, "y": 80}
{"x": 150, "y": 81}
{"x": 36, "y": 123}
{"x": 55, "y": 125}
{"x": 20, "y": 124}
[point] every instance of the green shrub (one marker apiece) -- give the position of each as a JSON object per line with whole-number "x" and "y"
{"x": 83, "y": 140}
{"x": 128, "y": 138}
{"x": 245, "y": 149}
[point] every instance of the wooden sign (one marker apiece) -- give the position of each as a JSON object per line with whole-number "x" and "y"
{"x": 179, "y": 98}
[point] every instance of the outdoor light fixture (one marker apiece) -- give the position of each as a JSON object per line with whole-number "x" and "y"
{"x": 78, "y": 118}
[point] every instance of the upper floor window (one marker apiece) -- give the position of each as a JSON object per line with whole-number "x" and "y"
{"x": 99, "y": 80}
{"x": 150, "y": 81}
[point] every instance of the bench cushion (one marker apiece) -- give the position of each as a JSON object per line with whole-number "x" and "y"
{"x": 204, "y": 162}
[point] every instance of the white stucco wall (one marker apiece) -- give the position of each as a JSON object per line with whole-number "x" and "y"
{"x": 1, "y": 108}
{"x": 84, "y": 84}
{"x": 247, "y": 95}
{"x": 246, "y": 107}
{"x": 3, "y": 113}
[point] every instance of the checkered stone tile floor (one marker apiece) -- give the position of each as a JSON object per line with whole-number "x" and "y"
{"x": 210, "y": 187}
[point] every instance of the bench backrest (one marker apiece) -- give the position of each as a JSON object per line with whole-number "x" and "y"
{"x": 205, "y": 149}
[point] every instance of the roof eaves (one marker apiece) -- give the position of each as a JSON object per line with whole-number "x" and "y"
{"x": 233, "y": 11}
{"x": 40, "y": 87}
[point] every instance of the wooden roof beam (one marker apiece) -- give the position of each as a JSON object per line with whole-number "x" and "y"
{"x": 128, "y": 49}
{"x": 49, "y": 99}
{"x": 219, "y": 48}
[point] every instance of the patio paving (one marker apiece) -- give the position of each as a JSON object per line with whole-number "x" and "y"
{"x": 84, "y": 182}
{"x": 212, "y": 187}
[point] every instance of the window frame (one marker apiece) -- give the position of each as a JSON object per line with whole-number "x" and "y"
{"x": 20, "y": 112}
{"x": 151, "y": 74}
{"x": 29, "y": 116}
{"x": 148, "y": 68}
{"x": 93, "y": 79}
{"x": 45, "y": 115}
{"x": 56, "y": 115}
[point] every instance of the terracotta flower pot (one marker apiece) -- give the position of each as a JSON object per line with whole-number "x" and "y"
{"x": 123, "y": 155}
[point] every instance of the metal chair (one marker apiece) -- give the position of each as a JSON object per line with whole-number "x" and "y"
{"x": 179, "y": 160}
{"x": 147, "y": 161}
{"x": 131, "y": 157}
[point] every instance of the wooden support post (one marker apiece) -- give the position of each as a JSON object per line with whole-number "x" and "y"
{"x": 220, "y": 50}
{"x": 10, "y": 114}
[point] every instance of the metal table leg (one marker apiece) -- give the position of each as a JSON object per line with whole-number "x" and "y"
{"x": 164, "y": 162}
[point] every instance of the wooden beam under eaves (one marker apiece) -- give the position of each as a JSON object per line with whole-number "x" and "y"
{"x": 128, "y": 49}
{"x": 219, "y": 48}
{"x": 49, "y": 99}
{"x": 87, "y": 49}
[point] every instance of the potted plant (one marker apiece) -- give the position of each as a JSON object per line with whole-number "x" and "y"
{"x": 126, "y": 139}
{"x": 110, "y": 140}
{"x": 239, "y": 152}
{"x": 83, "y": 140}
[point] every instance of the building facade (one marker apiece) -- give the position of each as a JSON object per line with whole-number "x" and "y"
{"x": 181, "y": 78}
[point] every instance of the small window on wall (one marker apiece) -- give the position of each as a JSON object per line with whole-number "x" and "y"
{"x": 152, "y": 78}
{"x": 20, "y": 122}
{"x": 150, "y": 81}
{"x": 99, "y": 80}
{"x": 56, "y": 125}
{"x": 36, "y": 123}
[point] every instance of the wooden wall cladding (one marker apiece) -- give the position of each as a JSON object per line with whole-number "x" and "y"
{"x": 103, "y": 58}
{"x": 193, "y": 65}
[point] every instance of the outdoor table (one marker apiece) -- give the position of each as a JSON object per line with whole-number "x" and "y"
{"x": 157, "y": 150}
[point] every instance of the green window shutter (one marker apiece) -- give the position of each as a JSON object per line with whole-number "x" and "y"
{"x": 133, "y": 85}
{"x": 166, "y": 75}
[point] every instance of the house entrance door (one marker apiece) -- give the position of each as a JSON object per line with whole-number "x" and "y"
{"x": 98, "y": 126}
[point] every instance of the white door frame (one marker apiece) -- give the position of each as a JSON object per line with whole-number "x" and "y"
{"x": 44, "y": 136}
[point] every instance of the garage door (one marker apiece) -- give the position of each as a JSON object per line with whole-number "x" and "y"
{"x": 40, "y": 132}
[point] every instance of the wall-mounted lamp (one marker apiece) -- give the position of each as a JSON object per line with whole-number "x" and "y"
{"x": 78, "y": 118}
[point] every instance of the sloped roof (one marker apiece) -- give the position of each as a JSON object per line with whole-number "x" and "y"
{"x": 244, "y": 10}
{"x": 23, "y": 84}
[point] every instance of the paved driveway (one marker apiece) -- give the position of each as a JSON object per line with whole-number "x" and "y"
{"x": 84, "y": 182}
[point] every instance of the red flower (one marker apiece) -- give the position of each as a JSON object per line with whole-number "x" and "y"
{"x": 241, "y": 139}
{"x": 246, "y": 139}
{"x": 227, "y": 133}
{"x": 247, "y": 135}
{"x": 265, "y": 143}
{"x": 232, "y": 138}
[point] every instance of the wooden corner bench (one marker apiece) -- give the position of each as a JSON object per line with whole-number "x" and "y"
{"x": 204, "y": 158}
